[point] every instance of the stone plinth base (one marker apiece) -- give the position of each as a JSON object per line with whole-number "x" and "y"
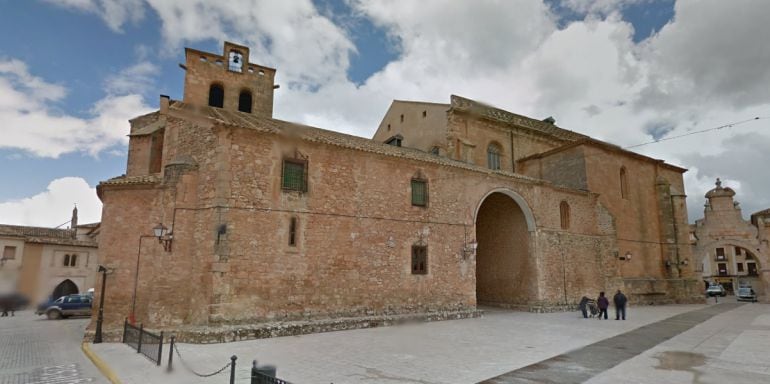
{"x": 648, "y": 291}
{"x": 229, "y": 333}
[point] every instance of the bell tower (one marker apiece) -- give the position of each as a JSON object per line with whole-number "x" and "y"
{"x": 228, "y": 81}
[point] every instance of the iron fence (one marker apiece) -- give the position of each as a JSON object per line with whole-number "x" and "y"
{"x": 265, "y": 375}
{"x": 144, "y": 342}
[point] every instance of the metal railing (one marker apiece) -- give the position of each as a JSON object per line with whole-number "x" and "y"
{"x": 258, "y": 375}
{"x": 144, "y": 342}
{"x": 264, "y": 375}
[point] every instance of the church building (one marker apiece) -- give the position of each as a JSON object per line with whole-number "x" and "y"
{"x": 227, "y": 216}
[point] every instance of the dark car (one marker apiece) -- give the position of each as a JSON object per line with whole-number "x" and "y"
{"x": 65, "y": 306}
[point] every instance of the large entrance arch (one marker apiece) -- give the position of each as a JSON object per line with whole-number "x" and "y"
{"x": 505, "y": 272}
{"x": 66, "y": 287}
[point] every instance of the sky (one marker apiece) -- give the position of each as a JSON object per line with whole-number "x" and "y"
{"x": 73, "y": 72}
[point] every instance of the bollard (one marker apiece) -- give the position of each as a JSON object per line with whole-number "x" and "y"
{"x": 125, "y": 328}
{"x": 160, "y": 348}
{"x": 170, "y": 353}
{"x": 232, "y": 369}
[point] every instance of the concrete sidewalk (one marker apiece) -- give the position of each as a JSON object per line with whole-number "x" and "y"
{"x": 457, "y": 351}
{"x": 733, "y": 347}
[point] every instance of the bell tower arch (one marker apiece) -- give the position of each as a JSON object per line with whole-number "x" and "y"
{"x": 228, "y": 81}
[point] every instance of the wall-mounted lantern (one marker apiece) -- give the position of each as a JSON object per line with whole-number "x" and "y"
{"x": 470, "y": 249}
{"x": 164, "y": 236}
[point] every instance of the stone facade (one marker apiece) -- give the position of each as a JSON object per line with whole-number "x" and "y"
{"x": 728, "y": 249}
{"x": 41, "y": 263}
{"x": 272, "y": 221}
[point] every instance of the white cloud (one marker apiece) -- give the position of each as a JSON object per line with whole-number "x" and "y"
{"x": 706, "y": 67}
{"x": 30, "y": 122}
{"x": 115, "y": 13}
{"x": 133, "y": 79}
{"x": 53, "y": 206}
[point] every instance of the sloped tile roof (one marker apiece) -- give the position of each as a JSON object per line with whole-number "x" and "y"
{"x": 318, "y": 135}
{"x": 129, "y": 180}
{"x": 44, "y": 235}
{"x": 467, "y": 105}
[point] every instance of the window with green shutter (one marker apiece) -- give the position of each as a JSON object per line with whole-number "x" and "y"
{"x": 419, "y": 192}
{"x": 294, "y": 176}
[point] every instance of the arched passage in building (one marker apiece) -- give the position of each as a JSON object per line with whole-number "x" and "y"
{"x": 66, "y": 287}
{"x": 505, "y": 273}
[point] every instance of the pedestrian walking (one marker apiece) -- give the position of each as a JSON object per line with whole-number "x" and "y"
{"x": 603, "y": 305}
{"x": 5, "y": 303}
{"x": 620, "y": 301}
{"x": 584, "y": 306}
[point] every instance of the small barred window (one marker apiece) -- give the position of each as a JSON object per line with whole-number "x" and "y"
{"x": 419, "y": 260}
{"x": 294, "y": 176}
{"x": 419, "y": 193}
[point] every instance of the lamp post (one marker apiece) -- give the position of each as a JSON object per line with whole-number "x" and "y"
{"x": 100, "y": 317}
{"x": 165, "y": 237}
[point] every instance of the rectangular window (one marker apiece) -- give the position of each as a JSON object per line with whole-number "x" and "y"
{"x": 752, "y": 267}
{"x": 9, "y": 252}
{"x": 740, "y": 267}
{"x": 294, "y": 176}
{"x": 293, "y": 232}
{"x": 720, "y": 254}
{"x": 722, "y": 267}
{"x": 419, "y": 260}
{"x": 419, "y": 193}
{"x": 737, "y": 251}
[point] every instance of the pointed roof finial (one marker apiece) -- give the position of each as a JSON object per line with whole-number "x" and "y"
{"x": 74, "y": 220}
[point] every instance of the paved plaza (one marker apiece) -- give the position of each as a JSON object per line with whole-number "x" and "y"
{"x": 34, "y": 350}
{"x": 689, "y": 344}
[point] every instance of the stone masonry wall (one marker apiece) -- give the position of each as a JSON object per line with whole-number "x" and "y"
{"x": 230, "y": 220}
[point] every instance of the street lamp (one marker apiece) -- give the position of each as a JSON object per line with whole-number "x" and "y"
{"x": 100, "y": 317}
{"x": 164, "y": 236}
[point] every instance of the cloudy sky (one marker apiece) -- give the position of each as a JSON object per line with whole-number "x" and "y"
{"x": 72, "y": 72}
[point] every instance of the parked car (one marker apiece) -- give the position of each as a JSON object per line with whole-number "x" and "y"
{"x": 716, "y": 290}
{"x": 746, "y": 294}
{"x": 65, "y": 306}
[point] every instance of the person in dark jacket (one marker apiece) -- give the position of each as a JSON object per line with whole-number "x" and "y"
{"x": 620, "y": 305}
{"x": 584, "y": 306}
{"x": 603, "y": 305}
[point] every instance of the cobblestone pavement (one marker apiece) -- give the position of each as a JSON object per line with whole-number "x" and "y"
{"x": 34, "y": 350}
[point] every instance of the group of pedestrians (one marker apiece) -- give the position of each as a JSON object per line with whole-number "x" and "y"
{"x": 602, "y": 304}
{"x": 7, "y": 305}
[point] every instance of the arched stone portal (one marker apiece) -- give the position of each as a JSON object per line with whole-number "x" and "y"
{"x": 66, "y": 287}
{"x": 505, "y": 273}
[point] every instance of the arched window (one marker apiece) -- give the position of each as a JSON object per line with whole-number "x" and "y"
{"x": 216, "y": 96}
{"x": 244, "y": 101}
{"x": 564, "y": 213}
{"x": 623, "y": 183}
{"x": 493, "y": 156}
{"x": 67, "y": 260}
